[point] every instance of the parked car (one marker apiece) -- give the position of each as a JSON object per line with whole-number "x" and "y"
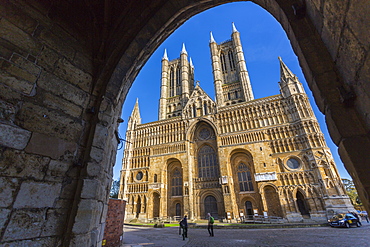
{"x": 344, "y": 220}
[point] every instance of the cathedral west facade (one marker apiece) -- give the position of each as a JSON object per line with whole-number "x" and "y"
{"x": 232, "y": 156}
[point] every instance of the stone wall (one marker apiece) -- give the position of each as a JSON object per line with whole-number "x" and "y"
{"x": 113, "y": 231}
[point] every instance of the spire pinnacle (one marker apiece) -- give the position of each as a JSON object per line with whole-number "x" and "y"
{"x": 183, "y": 51}
{"x": 212, "y": 39}
{"x": 284, "y": 70}
{"x": 191, "y": 63}
{"x": 234, "y": 28}
{"x": 165, "y": 55}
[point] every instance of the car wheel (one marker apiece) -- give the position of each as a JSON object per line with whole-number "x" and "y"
{"x": 346, "y": 225}
{"x": 358, "y": 224}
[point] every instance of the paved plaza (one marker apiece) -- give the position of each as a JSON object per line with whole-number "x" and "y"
{"x": 312, "y": 236}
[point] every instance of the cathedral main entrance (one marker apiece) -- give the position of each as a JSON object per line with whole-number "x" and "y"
{"x": 210, "y": 206}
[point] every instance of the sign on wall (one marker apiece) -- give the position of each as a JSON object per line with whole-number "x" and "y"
{"x": 265, "y": 176}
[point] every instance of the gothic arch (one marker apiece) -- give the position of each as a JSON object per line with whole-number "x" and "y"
{"x": 219, "y": 199}
{"x": 196, "y": 124}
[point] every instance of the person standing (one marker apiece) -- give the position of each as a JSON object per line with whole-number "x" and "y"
{"x": 184, "y": 227}
{"x": 211, "y": 220}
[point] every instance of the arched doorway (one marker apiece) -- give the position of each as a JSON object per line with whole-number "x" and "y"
{"x": 210, "y": 206}
{"x": 156, "y": 205}
{"x": 138, "y": 207}
{"x": 302, "y": 205}
{"x": 249, "y": 209}
{"x": 178, "y": 209}
{"x": 272, "y": 201}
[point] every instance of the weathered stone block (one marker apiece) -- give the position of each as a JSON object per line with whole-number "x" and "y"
{"x": 63, "y": 105}
{"x": 68, "y": 188}
{"x": 88, "y": 216}
{"x": 8, "y": 186}
{"x": 61, "y": 88}
{"x": 47, "y": 58}
{"x": 334, "y": 15}
{"x": 35, "y": 242}
{"x": 25, "y": 64}
{"x": 56, "y": 42}
{"x": 358, "y": 20}
{"x": 91, "y": 189}
{"x": 13, "y": 136}
{"x": 20, "y": 164}
{"x": 7, "y": 49}
{"x": 56, "y": 218}
{"x": 69, "y": 72}
{"x": 8, "y": 94}
{"x": 97, "y": 154}
{"x": 350, "y": 53}
{"x": 7, "y": 112}
{"x": 17, "y": 78}
{"x": 83, "y": 62}
{"x": 4, "y": 215}
{"x": 49, "y": 122}
{"x": 37, "y": 195}
{"x": 81, "y": 240}
{"x": 101, "y": 136}
{"x": 18, "y": 37}
{"x": 25, "y": 224}
{"x": 58, "y": 168}
{"x": 49, "y": 146}
{"x": 94, "y": 169}
{"x": 18, "y": 17}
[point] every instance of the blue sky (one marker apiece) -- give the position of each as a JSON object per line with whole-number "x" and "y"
{"x": 263, "y": 40}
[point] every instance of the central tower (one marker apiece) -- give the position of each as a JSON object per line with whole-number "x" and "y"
{"x": 231, "y": 78}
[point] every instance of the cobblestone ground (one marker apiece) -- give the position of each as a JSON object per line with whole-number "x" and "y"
{"x": 302, "y": 237}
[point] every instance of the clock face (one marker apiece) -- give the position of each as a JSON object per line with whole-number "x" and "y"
{"x": 139, "y": 176}
{"x": 204, "y": 134}
{"x": 293, "y": 163}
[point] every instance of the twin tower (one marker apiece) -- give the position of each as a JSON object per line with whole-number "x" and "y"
{"x": 231, "y": 79}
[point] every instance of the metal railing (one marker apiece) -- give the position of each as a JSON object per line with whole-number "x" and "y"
{"x": 261, "y": 219}
{"x": 166, "y": 219}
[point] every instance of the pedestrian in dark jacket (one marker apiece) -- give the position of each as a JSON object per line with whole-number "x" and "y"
{"x": 184, "y": 227}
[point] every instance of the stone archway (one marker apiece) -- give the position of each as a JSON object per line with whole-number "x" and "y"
{"x": 272, "y": 201}
{"x": 156, "y": 205}
{"x": 302, "y": 204}
{"x": 72, "y": 63}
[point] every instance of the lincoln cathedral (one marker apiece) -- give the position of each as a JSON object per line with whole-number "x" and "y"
{"x": 233, "y": 156}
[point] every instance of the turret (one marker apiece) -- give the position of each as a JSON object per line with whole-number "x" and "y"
{"x": 184, "y": 75}
{"x": 164, "y": 87}
{"x": 216, "y": 67}
{"x": 241, "y": 65}
{"x": 135, "y": 118}
{"x": 289, "y": 83}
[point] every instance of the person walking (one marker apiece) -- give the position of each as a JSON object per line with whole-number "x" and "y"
{"x": 211, "y": 220}
{"x": 184, "y": 227}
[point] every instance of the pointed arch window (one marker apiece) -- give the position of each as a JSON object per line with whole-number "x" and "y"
{"x": 223, "y": 63}
{"x": 244, "y": 177}
{"x": 172, "y": 82}
{"x": 176, "y": 182}
{"x": 231, "y": 60}
{"x": 178, "y": 81}
{"x": 207, "y": 163}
